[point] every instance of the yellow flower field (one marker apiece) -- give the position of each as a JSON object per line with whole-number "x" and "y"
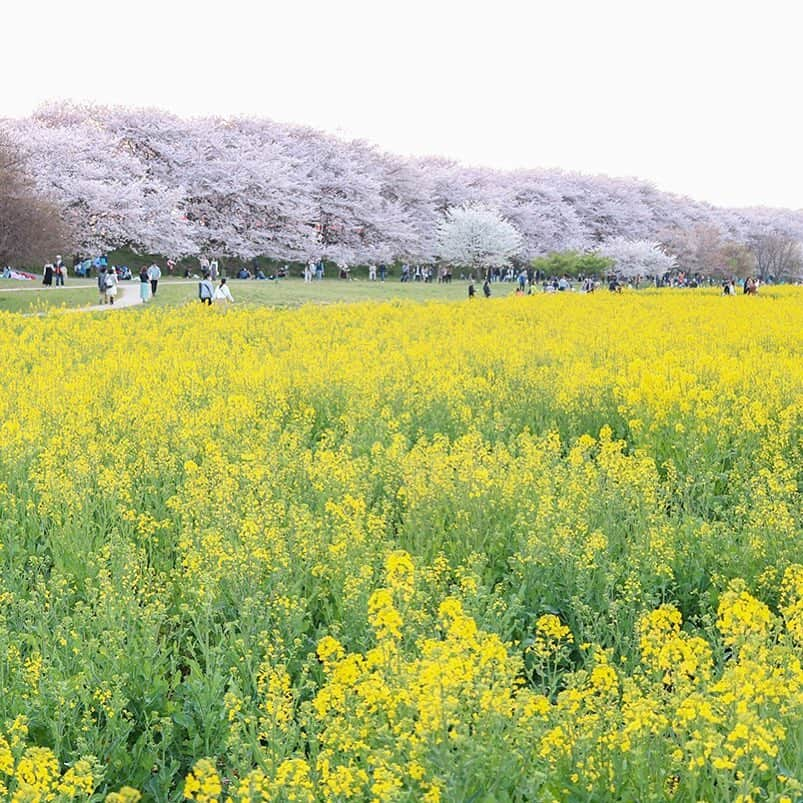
{"x": 542, "y": 548}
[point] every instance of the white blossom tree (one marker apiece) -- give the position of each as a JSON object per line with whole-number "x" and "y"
{"x": 477, "y": 237}
{"x": 634, "y": 258}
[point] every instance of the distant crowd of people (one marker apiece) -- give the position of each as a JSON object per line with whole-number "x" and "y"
{"x": 526, "y": 280}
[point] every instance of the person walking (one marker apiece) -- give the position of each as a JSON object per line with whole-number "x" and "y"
{"x": 59, "y": 271}
{"x": 372, "y": 273}
{"x": 144, "y": 285}
{"x": 111, "y": 285}
{"x": 154, "y": 274}
{"x": 206, "y": 290}
{"x": 223, "y": 294}
{"x": 102, "y": 285}
{"x": 47, "y": 279}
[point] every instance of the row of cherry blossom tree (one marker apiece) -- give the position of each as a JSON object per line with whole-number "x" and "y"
{"x": 149, "y": 180}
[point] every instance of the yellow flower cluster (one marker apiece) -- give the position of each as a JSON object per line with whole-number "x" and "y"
{"x": 543, "y": 548}
{"x": 30, "y": 774}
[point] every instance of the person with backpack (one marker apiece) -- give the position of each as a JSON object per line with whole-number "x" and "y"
{"x": 206, "y": 290}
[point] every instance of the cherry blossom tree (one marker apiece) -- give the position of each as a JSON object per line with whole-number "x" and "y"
{"x": 104, "y": 192}
{"x": 533, "y": 203}
{"x": 477, "y": 237}
{"x": 251, "y": 187}
{"x": 634, "y": 258}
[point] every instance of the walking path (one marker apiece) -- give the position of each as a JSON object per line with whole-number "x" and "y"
{"x": 126, "y": 297}
{"x": 127, "y": 294}
{"x": 36, "y": 286}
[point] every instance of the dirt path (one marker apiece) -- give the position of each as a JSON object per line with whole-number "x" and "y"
{"x": 127, "y": 296}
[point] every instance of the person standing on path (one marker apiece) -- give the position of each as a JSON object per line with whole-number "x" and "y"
{"x": 59, "y": 271}
{"x": 154, "y": 274}
{"x": 144, "y": 285}
{"x": 102, "y": 285}
{"x": 58, "y": 275}
{"x": 111, "y": 285}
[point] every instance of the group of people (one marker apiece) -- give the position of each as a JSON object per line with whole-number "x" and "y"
{"x": 749, "y": 287}
{"x": 209, "y": 294}
{"x": 417, "y": 273}
{"x": 109, "y": 279}
{"x": 149, "y": 281}
{"x": 525, "y": 279}
{"x": 258, "y": 274}
{"x": 374, "y": 271}
{"x": 55, "y": 271}
{"x": 313, "y": 270}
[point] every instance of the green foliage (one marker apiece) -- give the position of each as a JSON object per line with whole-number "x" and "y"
{"x": 572, "y": 263}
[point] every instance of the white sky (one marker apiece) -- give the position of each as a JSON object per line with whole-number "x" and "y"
{"x": 701, "y": 97}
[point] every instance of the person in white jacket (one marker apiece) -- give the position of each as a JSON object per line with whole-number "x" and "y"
{"x": 223, "y": 294}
